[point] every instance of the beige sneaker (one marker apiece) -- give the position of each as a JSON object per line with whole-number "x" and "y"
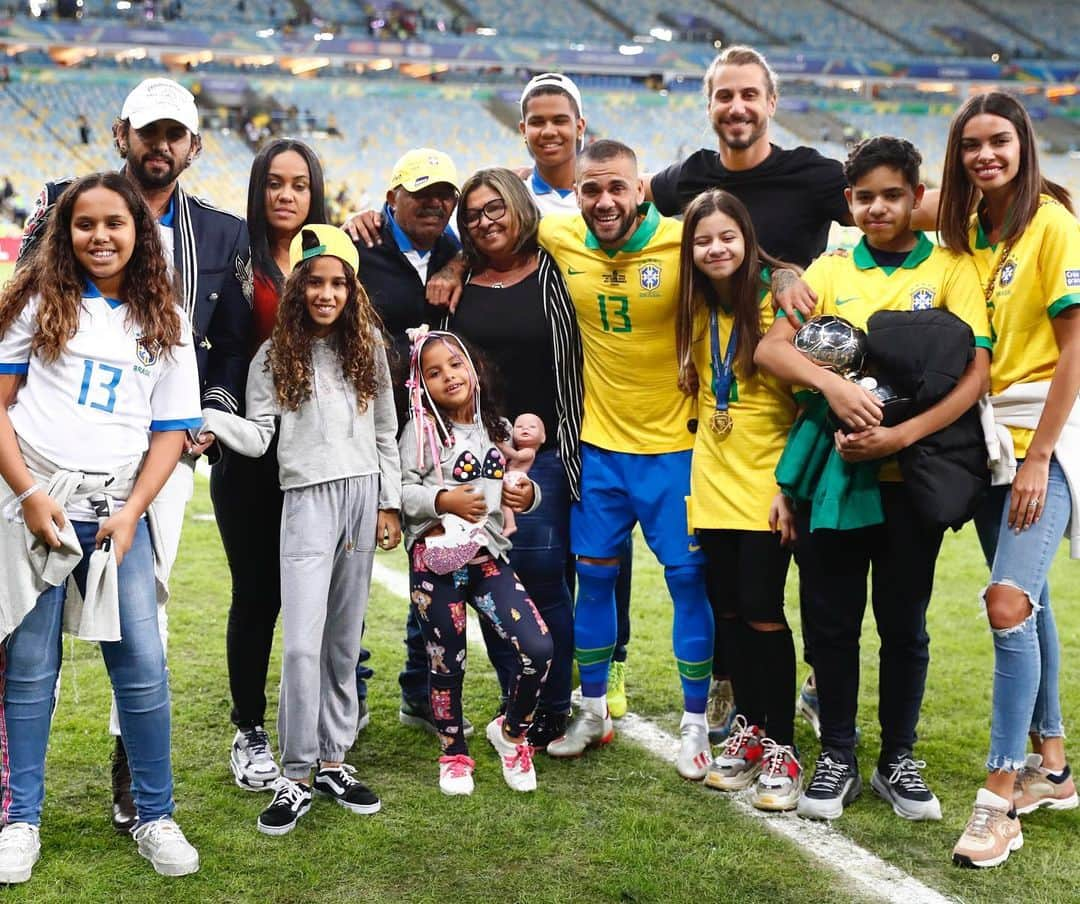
{"x": 1035, "y": 788}
{"x": 991, "y": 833}
{"x": 585, "y": 730}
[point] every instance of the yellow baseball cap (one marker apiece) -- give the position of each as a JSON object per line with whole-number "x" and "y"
{"x": 317, "y": 239}
{"x": 422, "y": 167}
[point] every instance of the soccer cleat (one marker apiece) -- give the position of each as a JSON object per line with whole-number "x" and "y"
{"x": 992, "y": 833}
{"x": 456, "y": 774}
{"x": 546, "y": 727}
{"x": 586, "y": 730}
{"x": 904, "y": 788}
{"x": 808, "y": 705}
{"x": 337, "y": 783}
{"x": 124, "y": 814}
{"x": 720, "y": 710}
{"x": 291, "y": 801}
{"x": 516, "y": 759}
{"x": 164, "y": 845}
{"x": 835, "y": 784}
{"x": 20, "y": 848}
{"x": 779, "y": 783}
{"x": 251, "y": 761}
{"x": 694, "y": 752}
{"x": 616, "y": 690}
{"x": 739, "y": 763}
{"x": 1037, "y": 787}
{"x": 417, "y": 714}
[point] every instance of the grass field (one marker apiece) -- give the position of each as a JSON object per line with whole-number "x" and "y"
{"x": 617, "y": 825}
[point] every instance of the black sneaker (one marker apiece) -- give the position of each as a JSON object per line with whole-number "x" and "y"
{"x": 338, "y": 782}
{"x": 902, "y": 785}
{"x": 291, "y": 801}
{"x": 124, "y": 815}
{"x": 417, "y": 714}
{"x": 546, "y": 727}
{"x": 835, "y": 784}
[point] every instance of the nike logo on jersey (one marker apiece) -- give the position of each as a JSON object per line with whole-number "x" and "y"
{"x": 841, "y": 301}
{"x": 570, "y": 271}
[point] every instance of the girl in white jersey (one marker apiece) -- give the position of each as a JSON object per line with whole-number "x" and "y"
{"x": 98, "y": 384}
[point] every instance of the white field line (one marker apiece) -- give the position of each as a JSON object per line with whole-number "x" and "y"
{"x": 868, "y": 873}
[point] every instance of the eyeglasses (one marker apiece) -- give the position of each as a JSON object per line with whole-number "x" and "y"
{"x": 495, "y": 209}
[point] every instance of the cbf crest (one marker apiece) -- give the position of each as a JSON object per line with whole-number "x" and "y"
{"x": 922, "y": 299}
{"x": 649, "y": 275}
{"x": 147, "y": 351}
{"x": 1008, "y": 272}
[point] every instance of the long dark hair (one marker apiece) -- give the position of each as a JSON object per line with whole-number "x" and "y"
{"x": 959, "y": 196}
{"x": 262, "y": 258}
{"x": 488, "y": 413}
{"x": 53, "y": 273}
{"x": 357, "y": 339}
{"x": 697, "y": 289}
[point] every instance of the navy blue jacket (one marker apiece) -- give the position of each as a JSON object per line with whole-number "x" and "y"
{"x": 212, "y": 257}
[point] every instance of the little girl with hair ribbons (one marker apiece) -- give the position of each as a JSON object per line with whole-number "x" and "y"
{"x": 321, "y": 382}
{"x": 452, "y": 484}
{"x": 98, "y": 385}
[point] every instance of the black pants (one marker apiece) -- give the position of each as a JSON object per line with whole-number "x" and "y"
{"x": 900, "y": 554}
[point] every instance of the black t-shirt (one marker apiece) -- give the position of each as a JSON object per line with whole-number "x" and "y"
{"x": 509, "y": 327}
{"x": 793, "y": 196}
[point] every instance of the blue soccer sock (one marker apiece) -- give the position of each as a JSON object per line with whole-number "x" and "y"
{"x": 595, "y": 627}
{"x": 691, "y": 633}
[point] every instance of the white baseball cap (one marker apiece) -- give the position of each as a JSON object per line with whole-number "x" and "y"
{"x": 161, "y": 98}
{"x": 556, "y": 81}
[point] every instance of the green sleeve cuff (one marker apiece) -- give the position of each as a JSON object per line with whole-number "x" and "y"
{"x": 1063, "y": 303}
{"x": 984, "y": 342}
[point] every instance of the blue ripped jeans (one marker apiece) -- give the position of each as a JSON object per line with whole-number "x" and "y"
{"x": 1026, "y": 657}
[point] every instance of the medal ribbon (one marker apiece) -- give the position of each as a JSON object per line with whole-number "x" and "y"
{"x": 722, "y": 374}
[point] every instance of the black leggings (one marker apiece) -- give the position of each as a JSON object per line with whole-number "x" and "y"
{"x": 497, "y": 595}
{"x": 247, "y": 504}
{"x": 745, "y": 571}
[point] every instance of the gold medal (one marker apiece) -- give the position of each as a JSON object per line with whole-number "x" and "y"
{"x": 721, "y": 423}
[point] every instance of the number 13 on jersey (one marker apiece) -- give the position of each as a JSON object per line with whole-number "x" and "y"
{"x": 614, "y": 313}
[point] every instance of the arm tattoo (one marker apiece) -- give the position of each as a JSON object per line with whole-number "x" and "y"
{"x": 782, "y": 280}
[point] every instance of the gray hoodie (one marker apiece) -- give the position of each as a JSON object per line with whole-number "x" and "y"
{"x": 327, "y": 438}
{"x": 473, "y": 458}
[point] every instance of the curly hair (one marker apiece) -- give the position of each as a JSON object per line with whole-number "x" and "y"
{"x": 53, "y": 272}
{"x": 357, "y": 338}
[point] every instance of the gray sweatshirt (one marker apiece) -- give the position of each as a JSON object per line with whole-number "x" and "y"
{"x": 474, "y": 459}
{"x": 327, "y": 437}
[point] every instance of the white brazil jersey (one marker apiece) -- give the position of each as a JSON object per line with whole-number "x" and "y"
{"x": 92, "y": 408}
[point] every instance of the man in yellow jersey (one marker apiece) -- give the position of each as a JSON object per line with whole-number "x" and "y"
{"x": 620, "y": 260}
{"x": 892, "y": 268}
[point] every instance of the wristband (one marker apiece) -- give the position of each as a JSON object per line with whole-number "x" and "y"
{"x": 26, "y": 494}
{"x": 11, "y": 509}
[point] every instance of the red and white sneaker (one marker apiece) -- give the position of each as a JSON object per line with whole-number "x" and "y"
{"x": 517, "y": 764}
{"x": 739, "y": 762}
{"x": 695, "y": 754}
{"x": 779, "y": 783}
{"x": 455, "y": 774}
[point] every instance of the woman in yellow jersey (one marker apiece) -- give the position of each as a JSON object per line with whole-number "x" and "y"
{"x": 1026, "y": 242}
{"x": 743, "y": 524}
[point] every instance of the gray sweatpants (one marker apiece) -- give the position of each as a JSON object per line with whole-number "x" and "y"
{"x": 327, "y": 549}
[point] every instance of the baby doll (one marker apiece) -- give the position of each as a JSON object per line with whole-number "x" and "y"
{"x": 528, "y": 436}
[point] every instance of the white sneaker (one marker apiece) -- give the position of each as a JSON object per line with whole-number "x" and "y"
{"x": 20, "y": 848}
{"x": 695, "y": 754}
{"x": 251, "y": 760}
{"x": 164, "y": 845}
{"x": 517, "y": 764}
{"x": 455, "y": 774}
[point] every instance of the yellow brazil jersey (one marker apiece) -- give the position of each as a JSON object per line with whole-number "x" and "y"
{"x": 856, "y": 287}
{"x": 626, "y": 302}
{"x": 1038, "y": 279}
{"x": 731, "y": 480}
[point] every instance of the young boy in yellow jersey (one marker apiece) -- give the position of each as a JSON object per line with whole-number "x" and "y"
{"x": 620, "y": 260}
{"x": 892, "y": 268}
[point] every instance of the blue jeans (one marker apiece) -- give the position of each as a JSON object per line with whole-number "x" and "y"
{"x": 136, "y": 666}
{"x": 1026, "y": 657}
{"x": 539, "y": 558}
